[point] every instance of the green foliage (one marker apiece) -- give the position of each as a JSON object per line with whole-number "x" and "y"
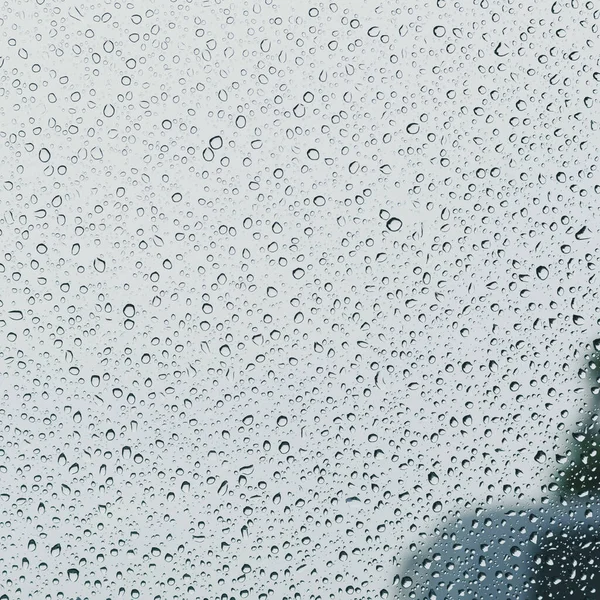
{"x": 583, "y": 474}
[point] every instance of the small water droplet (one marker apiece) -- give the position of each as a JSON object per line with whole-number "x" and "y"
{"x": 394, "y": 224}
{"x": 99, "y": 265}
{"x": 216, "y": 142}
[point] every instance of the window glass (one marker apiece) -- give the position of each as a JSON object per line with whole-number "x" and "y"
{"x": 299, "y": 300}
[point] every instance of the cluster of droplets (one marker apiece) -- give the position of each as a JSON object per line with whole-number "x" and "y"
{"x": 282, "y": 289}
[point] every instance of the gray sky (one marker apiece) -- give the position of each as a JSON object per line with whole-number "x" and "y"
{"x": 289, "y": 378}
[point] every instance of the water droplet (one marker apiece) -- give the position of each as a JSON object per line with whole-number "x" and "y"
{"x": 394, "y": 224}
{"x": 216, "y": 142}
{"x": 129, "y": 310}
{"x": 99, "y": 265}
{"x": 501, "y": 50}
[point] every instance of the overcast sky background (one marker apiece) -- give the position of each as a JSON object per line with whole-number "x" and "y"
{"x": 355, "y": 245}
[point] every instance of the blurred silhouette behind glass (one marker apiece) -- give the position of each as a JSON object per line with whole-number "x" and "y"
{"x": 568, "y": 565}
{"x": 582, "y": 477}
{"x": 551, "y": 551}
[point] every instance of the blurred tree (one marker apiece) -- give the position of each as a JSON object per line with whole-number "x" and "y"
{"x": 554, "y": 553}
{"x": 582, "y": 476}
{"x": 567, "y": 565}
{"x": 554, "y": 550}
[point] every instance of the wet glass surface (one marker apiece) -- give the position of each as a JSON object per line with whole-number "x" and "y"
{"x": 298, "y": 300}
